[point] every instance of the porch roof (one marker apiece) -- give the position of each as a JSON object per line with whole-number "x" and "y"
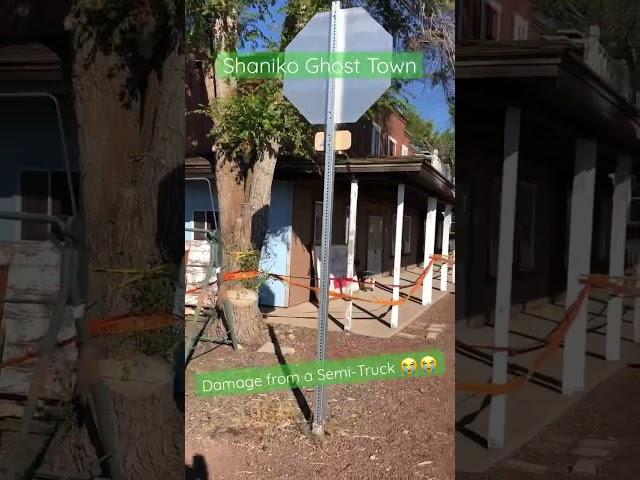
{"x": 21, "y": 64}
{"x": 199, "y": 167}
{"x": 553, "y": 76}
{"x": 413, "y": 170}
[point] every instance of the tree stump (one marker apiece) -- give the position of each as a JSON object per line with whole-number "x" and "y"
{"x": 149, "y": 428}
{"x": 251, "y": 329}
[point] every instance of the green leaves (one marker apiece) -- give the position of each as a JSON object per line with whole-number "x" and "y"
{"x": 422, "y": 131}
{"x": 256, "y": 118}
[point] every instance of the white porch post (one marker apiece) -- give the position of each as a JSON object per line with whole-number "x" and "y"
{"x": 397, "y": 255}
{"x": 429, "y": 244}
{"x": 351, "y": 249}
{"x": 636, "y": 313}
{"x": 446, "y": 229}
{"x": 580, "y": 231}
{"x": 497, "y": 411}
{"x": 453, "y": 273}
{"x": 621, "y": 204}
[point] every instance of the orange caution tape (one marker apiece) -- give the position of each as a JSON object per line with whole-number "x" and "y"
{"x": 555, "y": 341}
{"x": 131, "y": 323}
{"x": 616, "y": 286}
{"x": 109, "y": 326}
{"x": 243, "y": 275}
{"x": 378, "y": 301}
{"x": 248, "y": 274}
{"x": 450, "y": 259}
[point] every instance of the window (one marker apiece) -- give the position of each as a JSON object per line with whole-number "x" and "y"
{"x": 375, "y": 139}
{"x": 317, "y": 225}
{"x": 346, "y": 229}
{"x": 406, "y": 235}
{"x": 525, "y": 226}
{"x": 391, "y": 146}
{"x": 520, "y": 28}
{"x": 491, "y": 20}
{"x": 205, "y": 219}
{"x": 45, "y": 192}
{"x": 405, "y": 150}
{"x": 634, "y": 217}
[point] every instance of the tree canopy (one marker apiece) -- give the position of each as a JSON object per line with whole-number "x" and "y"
{"x": 259, "y": 115}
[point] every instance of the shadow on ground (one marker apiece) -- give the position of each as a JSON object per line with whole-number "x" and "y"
{"x": 197, "y": 470}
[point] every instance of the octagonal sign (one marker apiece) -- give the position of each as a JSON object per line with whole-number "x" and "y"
{"x": 356, "y": 31}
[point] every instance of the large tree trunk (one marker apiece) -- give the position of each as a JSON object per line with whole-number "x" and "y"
{"x": 131, "y": 138}
{"x": 244, "y": 195}
{"x": 242, "y": 203}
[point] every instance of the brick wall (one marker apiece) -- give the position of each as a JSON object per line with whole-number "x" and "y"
{"x": 392, "y": 125}
{"x": 505, "y": 12}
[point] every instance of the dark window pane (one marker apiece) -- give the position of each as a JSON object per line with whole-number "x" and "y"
{"x": 211, "y": 221}
{"x": 60, "y": 197}
{"x": 203, "y": 219}
{"x": 635, "y": 211}
{"x": 199, "y": 222}
{"x": 34, "y": 191}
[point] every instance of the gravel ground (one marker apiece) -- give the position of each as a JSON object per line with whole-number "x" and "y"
{"x": 378, "y": 430}
{"x": 601, "y": 432}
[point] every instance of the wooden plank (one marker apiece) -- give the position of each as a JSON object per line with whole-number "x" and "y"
{"x": 37, "y": 427}
{"x": 196, "y": 270}
{"x": 64, "y": 355}
{"x": 33, "y": 283}
{"x": 26, "y": 323}
{"x": 29, "y": 254}
{"x": 33, "y": 273}
{"x": 16, "y": 381}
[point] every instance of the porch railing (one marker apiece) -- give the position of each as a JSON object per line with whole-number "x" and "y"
{"x": 615, "y": 72}
{"x": 442, "y": 168}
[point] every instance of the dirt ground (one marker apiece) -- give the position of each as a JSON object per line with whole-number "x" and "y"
{"x": 377, "y": 430}
{"x": 601, "y": 431}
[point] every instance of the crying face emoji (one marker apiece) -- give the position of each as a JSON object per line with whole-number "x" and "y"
{"x": 408, "y": 366}
{"x": 428, "y": 364}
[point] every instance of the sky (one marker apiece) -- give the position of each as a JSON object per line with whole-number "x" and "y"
{"x": 430, "y": 102}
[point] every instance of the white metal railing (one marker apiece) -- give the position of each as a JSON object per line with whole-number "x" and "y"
{"x": 442, "y": 168}
{"x": 614, "y": 72}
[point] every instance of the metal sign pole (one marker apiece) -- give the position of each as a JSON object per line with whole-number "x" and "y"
{"x": 327, "y": 214}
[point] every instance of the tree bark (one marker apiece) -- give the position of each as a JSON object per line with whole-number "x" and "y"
{"x": 132, "y": 161}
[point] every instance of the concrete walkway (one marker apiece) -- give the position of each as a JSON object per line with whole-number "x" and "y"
{"x": 368, "y": 319}
{"x": 540, "y": 402}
